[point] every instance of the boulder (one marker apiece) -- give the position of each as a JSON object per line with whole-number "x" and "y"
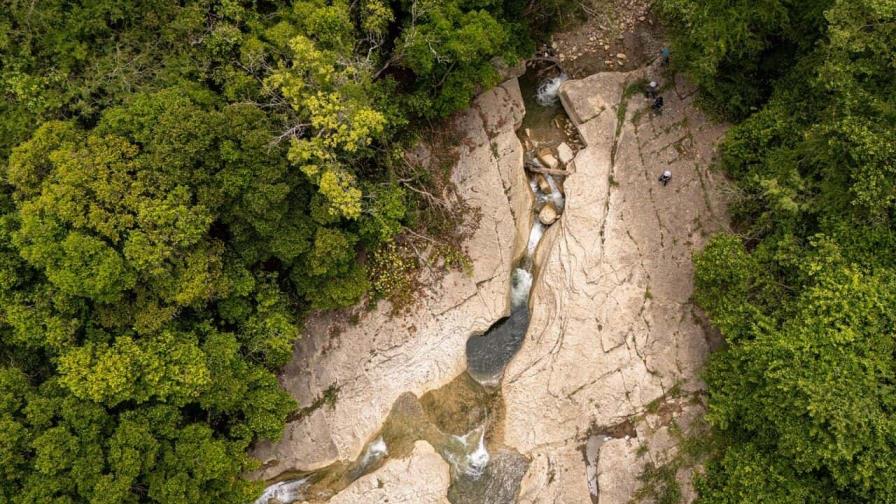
{"x": 565, "y": 153}
{"x": 546, "y": 156}
{"x": 548, "y": 215}
{"x": 583, "y": 100}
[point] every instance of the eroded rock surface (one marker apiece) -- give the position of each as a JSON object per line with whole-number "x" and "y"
{"x": 368, "y": 365}
{"x": 421, "y": 478}
{"x": 613, "y": 328}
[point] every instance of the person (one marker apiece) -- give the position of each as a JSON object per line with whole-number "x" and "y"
{"x": 652, "y": 90}
{"x": 665, "y": 177}
{"x": 658, "y": 104}
{"x": 665, "y": 54}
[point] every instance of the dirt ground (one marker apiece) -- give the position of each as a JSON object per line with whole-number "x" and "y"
{"x": 609, "y": 35}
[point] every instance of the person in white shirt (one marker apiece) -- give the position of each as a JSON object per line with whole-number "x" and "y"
{"x": 652, "y": 90}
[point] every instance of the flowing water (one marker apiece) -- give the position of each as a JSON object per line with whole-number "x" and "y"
{"x": 467, "y": 454}
{"x": 375, "y": 451}
{"x": 496, "y": 477}
{"x": 488, "y": 354}
{"x": 284, "y": 491}
{"x": 463, "y": 419}
{"x": 548, "y": 91}
{"x": 556, "y": 197}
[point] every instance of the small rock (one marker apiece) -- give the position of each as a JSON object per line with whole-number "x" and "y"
{"x": 543, "y": 185}
{"x": 547, "y": 158}
{"x": 621, "y": 56}
{"x": 548, "y": 215}
{"x": 565, "y": 153}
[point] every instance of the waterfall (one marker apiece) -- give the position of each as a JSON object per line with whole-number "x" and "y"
{"x": 375, "y": 451}
{"x": 556, "y": 196}
{"x": 467, "y": 458}
{"x": 284, "y": 492}
{"x": 521, "y": 284}
{"x": 546, "y": 94}
{"x": 478, "y": 459}
{"x": 535, "y": 236}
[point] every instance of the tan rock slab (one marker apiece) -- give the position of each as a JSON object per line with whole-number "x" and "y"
{"x": 565, "y": 153}
{"x": 613, "y": 328}
{"x": 422, "y": 478}
{"x": 617, "y": 471}
{"x": 372, "y": 362}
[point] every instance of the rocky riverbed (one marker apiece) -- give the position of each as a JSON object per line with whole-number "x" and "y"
{"x": 607, "y": 375}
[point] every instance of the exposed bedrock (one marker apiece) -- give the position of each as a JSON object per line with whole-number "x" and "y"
{"x": 372, "y": 362}
{"x": 608, "y": 372}
{"x": 613, "y": 328}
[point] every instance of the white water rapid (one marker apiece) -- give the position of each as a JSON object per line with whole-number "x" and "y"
{"x": 284, "y": 491}
{"x": 520, "y": 287}
{"x": 534, "y": 238}
{"x": 375, "y": 451}
{"x": 556, "y": 196}
{"x": 547, "y": 92}
{"x": 470, "y": 459}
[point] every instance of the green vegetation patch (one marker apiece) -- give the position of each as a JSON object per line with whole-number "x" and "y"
{"x": 802, "y": 395}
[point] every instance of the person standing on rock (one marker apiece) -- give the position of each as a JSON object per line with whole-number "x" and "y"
{"x": 652, "y": 90}
{"x": 665, "y": 177}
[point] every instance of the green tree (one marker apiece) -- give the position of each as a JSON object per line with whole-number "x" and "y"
{"x": 735, "y": 50}
{"x": 802, "y": 394}
{"x": 181, "y": 183}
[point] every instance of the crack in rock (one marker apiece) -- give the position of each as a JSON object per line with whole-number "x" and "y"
{"x": 618, "y": 265}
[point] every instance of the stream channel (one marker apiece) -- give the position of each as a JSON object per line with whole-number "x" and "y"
{"x": 463, "y": 420}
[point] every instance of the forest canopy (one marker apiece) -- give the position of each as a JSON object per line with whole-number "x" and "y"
{"x": 802, "y": 396}
{"x": 181, "y": 182}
